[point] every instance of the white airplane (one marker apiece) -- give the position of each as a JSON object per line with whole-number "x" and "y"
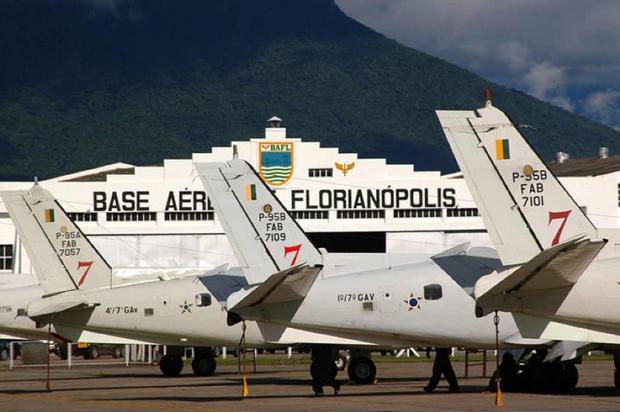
{"x": 13, "y": 319}
{"x": 77, "y": 295}
{"x": 560, "y": 278}
{"x": 293, "y": 284}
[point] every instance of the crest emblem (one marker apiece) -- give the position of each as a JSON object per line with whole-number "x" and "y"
{"x": 275, "y": 162}
{"x": 345, "y": 167}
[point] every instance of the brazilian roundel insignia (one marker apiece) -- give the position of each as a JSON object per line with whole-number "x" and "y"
{"x": 275, "y": 162}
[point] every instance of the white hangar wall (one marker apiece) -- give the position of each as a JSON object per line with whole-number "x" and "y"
{"x": 159, "y": 217}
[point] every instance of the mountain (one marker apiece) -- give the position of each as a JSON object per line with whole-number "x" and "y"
{"x": 89, "y": 82}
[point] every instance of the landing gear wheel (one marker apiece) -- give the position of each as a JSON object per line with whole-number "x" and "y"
{"x": 117, "y": 352}
{"x": 92, "y": 352}
{"x": 204, "y": 365}
{"x": 171, "y": 365}
{"x": 341, "y": 362}
{"x": 334, "y": 371}
{"x": 570, "y": 377}
{"x": 362, "y": 371}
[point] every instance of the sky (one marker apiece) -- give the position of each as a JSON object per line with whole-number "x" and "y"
{"x": 566, "y": 52}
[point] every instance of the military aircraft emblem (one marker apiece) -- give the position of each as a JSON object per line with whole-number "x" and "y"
{"x": 186, "y": 307}
{"x": 345, "y": 167}
{"x": 413, "y": 302}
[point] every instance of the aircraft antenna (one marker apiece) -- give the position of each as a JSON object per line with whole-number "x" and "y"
{"x": 487, "y": 96}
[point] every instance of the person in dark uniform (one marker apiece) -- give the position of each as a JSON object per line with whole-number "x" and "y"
{"x": 442, "y": 365}
{"x": 508, "y": 372}
{"x": 323, "y": 369}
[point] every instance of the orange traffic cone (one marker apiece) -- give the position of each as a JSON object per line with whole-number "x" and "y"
{"x": 245, "y": 391}
{"x": 499, "y": 399}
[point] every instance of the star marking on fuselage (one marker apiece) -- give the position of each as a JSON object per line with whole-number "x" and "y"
{"x": 413, "y": 302}
{"x": 186, "y": 307}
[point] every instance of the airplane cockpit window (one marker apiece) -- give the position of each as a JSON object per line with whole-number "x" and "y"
{"x": 432, "y": 292}
{"x": 203, "y": 299}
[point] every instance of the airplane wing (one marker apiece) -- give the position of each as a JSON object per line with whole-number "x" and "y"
{"x": 552, "y": 269}
{"x": 44, "y": 308}
{"x": 82, "y": 335}
{"x": 288, "y": 285}
{"x": 465, "y": 264}
{"x": 536, "y": 327}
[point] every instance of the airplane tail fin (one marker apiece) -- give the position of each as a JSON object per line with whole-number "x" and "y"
{"x": 263, "y": 235}
{"x": 523, "y": 205}
{"x": 64, "y": 259}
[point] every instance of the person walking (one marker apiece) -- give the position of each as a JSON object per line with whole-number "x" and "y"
{"x": 442, "y": 365}
{"x": 323, "y": 369}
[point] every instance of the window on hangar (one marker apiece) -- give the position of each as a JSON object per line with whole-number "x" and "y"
{"x": 349, "y": 242}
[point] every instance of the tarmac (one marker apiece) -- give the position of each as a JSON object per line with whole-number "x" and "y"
{"x": 279, "y": 387}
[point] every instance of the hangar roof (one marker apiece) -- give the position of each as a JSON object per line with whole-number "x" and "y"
{"x": 591, "y": 166}
{"x": 97, "y": 174}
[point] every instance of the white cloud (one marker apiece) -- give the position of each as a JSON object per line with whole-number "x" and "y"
{"x": 554, "y": 49}
{"x": 542, "y": 80}
{"x": 604, "y": 106}
{"x": 548, "y": 82}
{"x": 562, "y": 101}
{"x": 514, "y": 55}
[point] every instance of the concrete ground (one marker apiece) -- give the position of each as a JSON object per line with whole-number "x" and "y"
{"x": 285, "y": 387}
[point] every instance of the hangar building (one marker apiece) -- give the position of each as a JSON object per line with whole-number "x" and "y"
{"x": 159, "y": 216}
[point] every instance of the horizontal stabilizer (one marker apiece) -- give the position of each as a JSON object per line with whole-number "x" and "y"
{"x": 558, "y": 267}
{"x": 288, "y": 285}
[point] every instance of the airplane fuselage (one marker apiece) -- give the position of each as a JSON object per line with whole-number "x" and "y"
{"x": 161, "y": 312}
{"x": 410, "y": 304}
{"x": 13, "y": 319}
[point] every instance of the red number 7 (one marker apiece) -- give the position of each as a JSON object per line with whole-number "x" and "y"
{"x": 86, "y": 265}
{"x": 558, "y": 215}
{"x": 292, "y": 249}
